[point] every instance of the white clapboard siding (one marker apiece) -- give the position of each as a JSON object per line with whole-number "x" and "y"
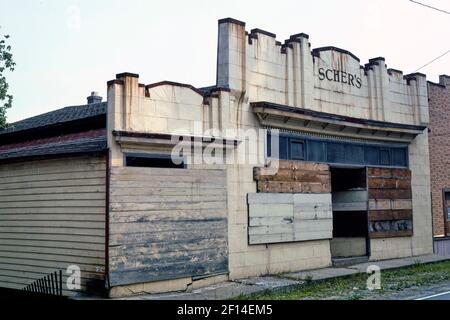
{"x": 276, "y": 217}
{"x": 52, "y": 215}
{"x": 166, "y": 224}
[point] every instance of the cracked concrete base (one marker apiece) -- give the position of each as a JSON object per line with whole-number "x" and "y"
{"x": 232, "y": 289}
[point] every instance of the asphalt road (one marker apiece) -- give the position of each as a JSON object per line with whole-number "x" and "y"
{"x": 438, "y": 296}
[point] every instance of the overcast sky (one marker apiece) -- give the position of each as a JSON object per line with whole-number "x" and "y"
{"x": 66, "y": 49}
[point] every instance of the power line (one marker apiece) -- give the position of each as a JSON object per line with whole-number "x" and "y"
{"x": 431, "y": 7}
{"x": 427, "y": 64}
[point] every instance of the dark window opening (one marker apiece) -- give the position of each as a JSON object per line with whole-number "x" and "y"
{"x": 297, "y": 150}
{"x": 350, "y": 224}
{"x": 345, "y": 179}
{"x": 316, "y": 151}
{"x": 283, "y": 148}
{"x": 399, "y": 157}
{"x": 447, "y": 204}
{"x": 385, "y": 157}
{"x": 153, "y": 161}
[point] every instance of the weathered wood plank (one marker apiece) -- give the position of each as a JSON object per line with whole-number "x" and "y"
{"x": 290, "y": 175}
{"x": 134, "y": 262}
{"x": 401, "y": 204}
{"x": 199, "y": 205}
{"x": 166, "y": 223}
{"x": 166, "y": 185}
{"x": 283, "y": 238}
{"x": 390, "y": 204}
{"x": 168, "y": 198}
{"x": 166, "y": 272}
{"x": 386, "y": 215}
{"x": 165, "y": 237}
{"x": 166, "y": 215}
{"x": 303, "y": 165}
{"x": 390, "y": 194}
{"x": 292, "y": 187}
{"x": 119, "y": 172}
{"x": 158, "y": 191}
{"x": 276, "y": 218}
{"x": 164, "y": 226}
{"x": 375, "y": 172}
{"x": 392, "y": 225}
{"x": 389, "y": 183}
{"x": 159, "y": 248}
{"x": 294, "y": 177}
{"x": 391, "y": 234}
{"x": 270, "y": 198}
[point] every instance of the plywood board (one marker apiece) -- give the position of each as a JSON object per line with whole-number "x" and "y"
{"x": 278, "y": 217}
{"x": 167, "y": 224}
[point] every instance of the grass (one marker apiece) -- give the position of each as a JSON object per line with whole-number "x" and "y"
{"x": 354, "y": 287}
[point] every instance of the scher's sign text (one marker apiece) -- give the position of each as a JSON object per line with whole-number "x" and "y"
{"x": 340, "y": 76}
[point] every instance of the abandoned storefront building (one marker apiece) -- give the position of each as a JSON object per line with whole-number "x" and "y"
{"x": 296, "y": 159}
{"x": 439, "y": 101}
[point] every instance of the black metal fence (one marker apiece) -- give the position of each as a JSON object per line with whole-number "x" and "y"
{"x": 49, "y": 285}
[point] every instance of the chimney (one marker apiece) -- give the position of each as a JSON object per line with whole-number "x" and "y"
{"x": 94, "y": 98}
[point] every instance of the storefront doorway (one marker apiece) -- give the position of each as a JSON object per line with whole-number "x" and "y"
{"x": 350, "y": 215}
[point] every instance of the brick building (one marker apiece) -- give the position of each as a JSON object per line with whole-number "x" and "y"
{"x": 439, "y": 136}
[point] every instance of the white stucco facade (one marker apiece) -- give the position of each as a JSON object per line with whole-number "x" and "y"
{"x": 254, "y": 67}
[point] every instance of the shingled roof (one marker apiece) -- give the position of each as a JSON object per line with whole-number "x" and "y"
{"x": 78, "y": 146}
{"x": 70, "y": 130}
{"x": 59, "y": 116}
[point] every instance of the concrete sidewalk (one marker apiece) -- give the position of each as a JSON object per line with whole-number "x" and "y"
{"x": 231, "y": 289}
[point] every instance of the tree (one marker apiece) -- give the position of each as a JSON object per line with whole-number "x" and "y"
{"x": 6, "y": 64}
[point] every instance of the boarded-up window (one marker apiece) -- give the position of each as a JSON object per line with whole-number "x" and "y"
{"x": 390, "y": 202}
{"x": 167, "y": 224}
{"x": 293, "y": 204}
{"x": 278, "y": 217}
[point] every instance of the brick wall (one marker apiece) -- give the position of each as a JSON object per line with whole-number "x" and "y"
{"x": 439, "y": 137}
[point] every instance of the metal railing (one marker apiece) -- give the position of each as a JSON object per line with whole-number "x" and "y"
{"x": 49, "y": 285}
